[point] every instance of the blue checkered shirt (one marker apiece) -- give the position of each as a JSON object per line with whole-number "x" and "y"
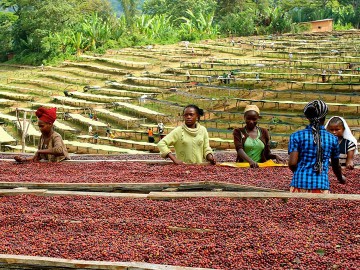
{"x": 305, "y": 176}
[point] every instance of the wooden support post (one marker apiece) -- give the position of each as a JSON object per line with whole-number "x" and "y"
{"x": 24, "y": 126}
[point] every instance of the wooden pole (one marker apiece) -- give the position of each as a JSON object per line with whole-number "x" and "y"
{"x": 24, "y": 128}
{"x": 37, "y": 262}
{"x": 24, "y": 133}
{"x": 243, "y": 195}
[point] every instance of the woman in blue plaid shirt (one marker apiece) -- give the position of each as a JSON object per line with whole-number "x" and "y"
{"x": 310, "y": 150}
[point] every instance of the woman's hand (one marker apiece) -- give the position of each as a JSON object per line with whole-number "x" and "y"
{"x": 178, "y": 162}
{"x": 19, "y": 159}
{"x": 342, "y": 180}
{"x": 350, "y": 164}
{"x": 211, "y": 159}
{"x": 174, "y": 159}
{"x": 243, "y": 156}
{"x": 253, "y": 164}
{"x": 36, "y": 157}
{"x": 280, "y": 159}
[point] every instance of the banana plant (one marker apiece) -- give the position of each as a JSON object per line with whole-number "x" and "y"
{"x": 90, "y": 27}
{"x": 143, "y": 24}
{"x": 61, "y": 39}
{"x": 154, "y": 27}
{"x": 77, "y": 42}
{"x": 96, "y": 30}
{"x": 187, "y": 25}
{"x": 118, "y": 28}
{"x": 203, "y": 24}
{"x": 161, "y": 26}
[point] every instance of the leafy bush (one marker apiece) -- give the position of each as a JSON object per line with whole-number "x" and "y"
{"x": 3, "y": 57}
{"x": 339, "y": 27}
{"x": 280, "y": 22}
{"x": 34, "y": 59}
{"x": 300, "y": 28}
{"x": 239, "y": 24}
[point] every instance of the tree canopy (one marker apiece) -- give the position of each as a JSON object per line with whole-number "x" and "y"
{"x": 47, "y": 30}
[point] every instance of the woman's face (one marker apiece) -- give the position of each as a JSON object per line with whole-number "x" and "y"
{"x": 190, "y": 117}
{"x": 44, "y": 127}
{"x": 337, "y": 129}
{"x": 251, "y": 118}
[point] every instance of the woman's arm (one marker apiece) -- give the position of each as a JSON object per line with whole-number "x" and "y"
{"x": 210, "y": 158}
{"x": 174, "y": 159}
{"x": 335, "y": 164}
{"x": 238, "y": 139}
{"x": 350, "y": 159}
{"x": 166, "y": 142}
{"x": 208, "y": 154}
{"x": 21, "y": 159}
{"x": 241, "y": 153}
{"x": 267, "y": 150}
{"x": 294, "y": 150}
{"x": 58, "y": 147}
{"x": 293, "y": 160}
{"x": 34, "y": 158}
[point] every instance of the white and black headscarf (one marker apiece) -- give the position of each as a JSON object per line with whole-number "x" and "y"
{"x": 347, "y": 131}
{"x": 315, "y": 111}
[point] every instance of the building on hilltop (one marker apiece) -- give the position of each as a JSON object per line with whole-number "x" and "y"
{"x": 325, "y": 25}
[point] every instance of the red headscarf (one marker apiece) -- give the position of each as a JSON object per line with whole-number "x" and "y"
{"x": 46, "y": 115}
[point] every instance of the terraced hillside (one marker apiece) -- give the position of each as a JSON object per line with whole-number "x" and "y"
{"x": 133, "y": 89}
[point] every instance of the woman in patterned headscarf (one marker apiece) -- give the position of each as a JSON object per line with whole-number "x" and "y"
{"x": 310, "y": 150}
{"x": 51, "y": 146}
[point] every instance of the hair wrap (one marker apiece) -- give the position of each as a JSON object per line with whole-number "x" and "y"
{"x": 252, "y": 108}
{"x": 347, "y": 131}
{"x": 46, "y": 115}
{"x": 315, "y": 111}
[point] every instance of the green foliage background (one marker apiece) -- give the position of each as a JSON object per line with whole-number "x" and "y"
{"x": 48, "y": 31}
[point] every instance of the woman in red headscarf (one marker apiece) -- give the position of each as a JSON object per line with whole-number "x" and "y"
{"x": 51, "y": 146}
